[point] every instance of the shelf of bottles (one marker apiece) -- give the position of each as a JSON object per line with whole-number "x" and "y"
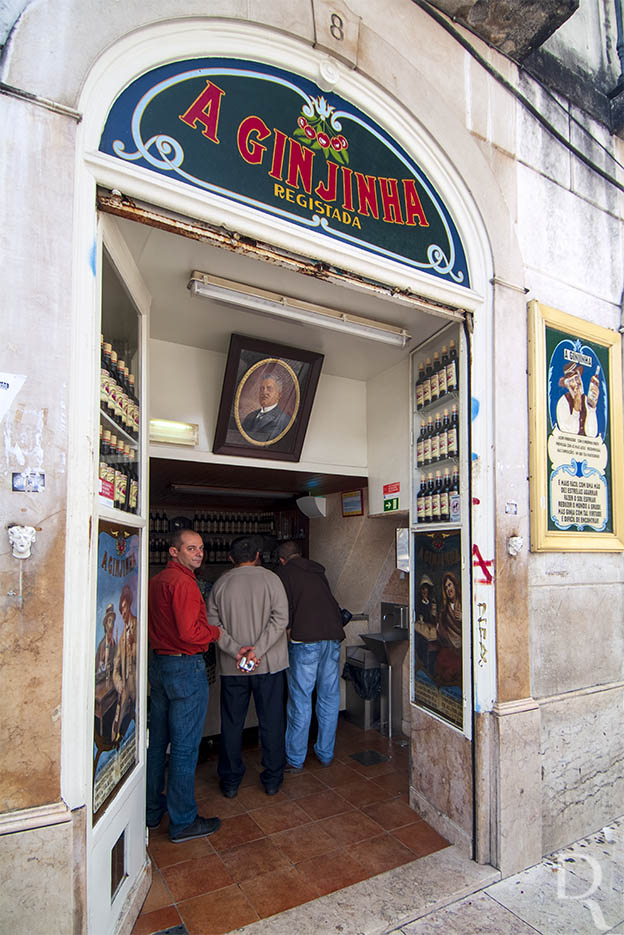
{"x": 119, "y": 431}
{"x": 436, "y": 442}
{"x": 218, "y": 529}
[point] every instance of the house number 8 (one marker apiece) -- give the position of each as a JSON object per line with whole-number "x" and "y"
{"x": 337, "y": 27}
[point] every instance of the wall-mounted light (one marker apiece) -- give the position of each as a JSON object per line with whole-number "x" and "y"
{"x": 173, "y": 433}
{"x": 313, "y": 507}
{"x": 272, "y": 303}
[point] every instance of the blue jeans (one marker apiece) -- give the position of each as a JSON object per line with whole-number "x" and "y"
{"x": 178, "y": 702}
{"x": 312, "y": 665}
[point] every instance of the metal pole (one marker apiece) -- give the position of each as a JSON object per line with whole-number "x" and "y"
{"x": 620, "y": 38}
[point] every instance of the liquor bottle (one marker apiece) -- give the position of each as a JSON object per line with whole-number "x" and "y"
{"x": 134, "y": 406}
{"x": 435, "y": 438}
{"x": 133, "y": 483}
{"x": 453, "y": 434}
{"x": 442, "y": 386}
{"x": 427, "y": 382}
{"x": 419, "y": 385}
{"x": 210, "y": 552}
{"x": 435, "y": 383}
{"x": 452, "y": 381}
{"x": 107, "y": 365}
{"x": 444, "y": 497}
{"x": 420, "y": 444}
{"x": 196, "y": 522}
{"x": 429, "y": 499}
{"x": 420, "y": 499}
{"x": 443, "y": 443}
{"x": 106, "y": 473}
{"x": 435, "y": 498}
{"x": 164, "y": 551}
{"x": 104, "y": 377}
{"x": 427, "y": 441}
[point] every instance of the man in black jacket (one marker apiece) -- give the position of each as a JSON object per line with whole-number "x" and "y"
{"x": 316, "y": 632}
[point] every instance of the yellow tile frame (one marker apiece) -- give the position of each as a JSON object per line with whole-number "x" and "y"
{"x": 543, "y": 539}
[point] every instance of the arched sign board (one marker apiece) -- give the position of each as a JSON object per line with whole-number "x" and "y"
{"x": 274, "y": 141}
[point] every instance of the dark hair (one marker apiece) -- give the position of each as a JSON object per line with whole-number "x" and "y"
{"x": 175, "y": 539}
{"x": 245, "y": 548}
{"x": 289, "y": 549}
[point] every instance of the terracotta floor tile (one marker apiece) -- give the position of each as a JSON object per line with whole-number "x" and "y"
{"x": 295, "y": 787}
{"x": 278, "y": 891}
{"x": 252, "y": 797}
{"x": 234, "y": 831}
{"x": 218, "y": 912}
{"x": 391, "y": 814}
{"x": 336, "y": 774}
{"x": 217, "y": 804}
{"x": 350, "y": 827}
{"x": 361, "y": 792}
{"x": 380, "y": 854}
{"x": 306, "y": 841}
{"x": 375, "y": 770}
{"x": 420, "y": 838}
{"x": 194, "y": 877}
{"x": 394, "y": 783}
{"x": 158, "y": 896}
{"x": 156, "y": 921}
{"x": 165, "y": 854}
{"x": 324, "y": 804}
{"x": 250, "y": 860}
{"x": 274, "y": 818}
{"x": 331, "y": 872}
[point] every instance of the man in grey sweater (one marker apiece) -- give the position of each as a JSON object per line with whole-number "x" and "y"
{"x": 249, "y": 603}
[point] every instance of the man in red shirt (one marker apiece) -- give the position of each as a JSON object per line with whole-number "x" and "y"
{"x": 179, "y": 634}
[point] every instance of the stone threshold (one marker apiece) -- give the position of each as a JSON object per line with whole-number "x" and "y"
{"x": 385, "y": 902}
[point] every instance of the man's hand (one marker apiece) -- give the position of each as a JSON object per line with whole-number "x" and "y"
{"x": 249, "y": 653}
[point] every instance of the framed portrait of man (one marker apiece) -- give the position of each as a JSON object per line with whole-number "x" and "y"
{"x": 575, "y": 440}
{"x": 266, "y": 399}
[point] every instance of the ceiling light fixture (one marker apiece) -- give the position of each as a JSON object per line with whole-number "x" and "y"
{"x": 173, "y": 433}
{"x": 200, "y": 490}
{"x": 272, "y": 303}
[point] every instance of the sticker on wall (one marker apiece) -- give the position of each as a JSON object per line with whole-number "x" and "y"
{"x": 391, "y": 497}
{"x": 10, "y": 385}
{"x": 273, "y": 141}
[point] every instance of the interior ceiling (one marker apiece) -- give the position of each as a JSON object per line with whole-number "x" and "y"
{"x": 220, "y": 479}
{"x": 166, "y": 261}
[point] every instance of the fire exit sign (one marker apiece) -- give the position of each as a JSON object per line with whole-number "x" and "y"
{"x": 391, "y": 494}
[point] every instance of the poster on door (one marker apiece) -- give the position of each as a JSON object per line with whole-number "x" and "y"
{"x": 438, "y": 625}
{"x": 115, "y": 665}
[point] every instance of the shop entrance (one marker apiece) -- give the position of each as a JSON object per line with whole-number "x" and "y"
{"x": 359, "y": 428}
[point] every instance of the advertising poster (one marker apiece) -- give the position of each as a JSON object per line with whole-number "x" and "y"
{"x": 438, "y": 624}
{"x": 575, "y": 439}
{"x": 114, "y": 732}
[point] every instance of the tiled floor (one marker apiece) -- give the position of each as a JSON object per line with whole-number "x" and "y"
{"x": 327, "y": 828}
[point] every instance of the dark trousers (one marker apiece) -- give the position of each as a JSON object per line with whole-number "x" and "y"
{"x": 268, "y": 691}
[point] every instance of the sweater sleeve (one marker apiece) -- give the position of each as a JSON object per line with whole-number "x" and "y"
{"x": 278, "y": 618}
{"x": 226, "y": 643}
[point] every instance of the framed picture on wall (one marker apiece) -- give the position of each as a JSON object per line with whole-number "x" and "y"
{"x": 575, "y": 434}
{"x": 266, "y": 400}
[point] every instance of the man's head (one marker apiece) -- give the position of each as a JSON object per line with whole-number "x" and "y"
{"x": 109, "y": 619}
{"x": 245, "y": 549}
{"x": 572, "y": 377}
{"x": 187, "y": 548}
{"x": 450, "y": 587}
{"x": 125, "y": 602}
{"x": 270, "y": 390}
{"x": 288, "y": 550}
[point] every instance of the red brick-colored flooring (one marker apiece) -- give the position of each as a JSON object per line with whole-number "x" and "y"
{"x": 327, "y": 828}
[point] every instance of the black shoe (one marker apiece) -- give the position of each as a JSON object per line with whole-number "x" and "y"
{"x": 289, "y": 768}
{"x": 230, "y": 792}
{"x": 200, "y": 828}
{"x": 272, "y": 790}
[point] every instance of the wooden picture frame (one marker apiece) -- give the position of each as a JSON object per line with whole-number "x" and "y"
{"x": 575, "y": 434}
{"x": 266, "y": 399}
{"x": 352, "y": 503}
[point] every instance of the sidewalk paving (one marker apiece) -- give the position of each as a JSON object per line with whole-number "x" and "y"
{"x": 578, "y": 890}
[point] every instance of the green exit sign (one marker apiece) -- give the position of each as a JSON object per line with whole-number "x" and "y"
{"x": 391, "y": 505}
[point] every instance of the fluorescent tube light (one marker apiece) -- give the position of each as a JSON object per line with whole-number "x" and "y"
{"x": 201, "y": 490}
{"x": 272, "y": 303}
{"x": 173, "y": 433}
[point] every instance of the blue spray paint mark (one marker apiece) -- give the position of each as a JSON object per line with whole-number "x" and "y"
{"x": 475, "y": 408}
{"x": 93, "y": 258}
